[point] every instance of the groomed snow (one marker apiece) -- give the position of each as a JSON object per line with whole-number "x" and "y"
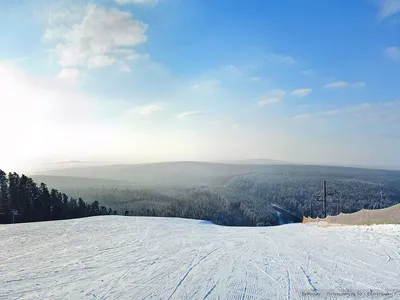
{"x": 158, "y": 258}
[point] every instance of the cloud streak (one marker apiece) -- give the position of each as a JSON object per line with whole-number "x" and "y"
{"x": 149, "y": 109}
{"x": 307, "y": 72}
{"x": 123, "y": 2}
{"x": 302, "y": 92}
{"x": 286, "y": 59}
{"x": 382, "y": 111}
{"x": 266, "y": 101}
{"x": 344, "y": 84}
{"x": 271, "y": 97}
{"x": 188, "y": 114}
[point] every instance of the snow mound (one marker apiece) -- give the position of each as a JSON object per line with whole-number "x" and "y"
{"x": 114, "y": 257}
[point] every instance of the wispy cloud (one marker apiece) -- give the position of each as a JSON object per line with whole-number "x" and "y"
{"x": 307, "y": 72}
{"x": 382, "y": 111}
{"x": 331, "y": 112}
{"x": 388, "y": 8}
{"x": 302, "y": 116}
{"x": 266, "y": 101}
{"x": 232, "y": 69}
{"x": 206, "y": 85}
{"x": 392, "y": 53}
{"x": 255, "y": 79}
{"x": 188, "y": 114}
{"x": 272, "y": 96}
{"x": 343, "y": 84}
{"x": 302, "y": 92}
{"x": 149, "y": 109}
{"x": 289, "y": 60}
{"x": 136, "y": 1}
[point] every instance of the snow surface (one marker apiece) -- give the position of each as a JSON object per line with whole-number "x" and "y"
{"x": 114, "y": 257}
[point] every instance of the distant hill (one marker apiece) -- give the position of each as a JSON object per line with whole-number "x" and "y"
{"x": 252, "y": 188}
{"x": 260, "y": 161}
{"x": 69, "y": 182}
{"x": 160, "y": 174}
{"x": 192, "y": 174}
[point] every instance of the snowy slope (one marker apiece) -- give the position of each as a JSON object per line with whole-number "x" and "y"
{"x": 157, "y": 258}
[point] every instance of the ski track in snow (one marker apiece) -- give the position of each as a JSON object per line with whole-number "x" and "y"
{"x": 112, "y": 257}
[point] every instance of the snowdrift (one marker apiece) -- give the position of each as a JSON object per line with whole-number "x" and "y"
{"x": 115, "y": 257}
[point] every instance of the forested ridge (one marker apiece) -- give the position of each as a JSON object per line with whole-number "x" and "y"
{"x": 223, "y": 194}
{"x": 249, "y": 199}
{"x": 39, "y": 203}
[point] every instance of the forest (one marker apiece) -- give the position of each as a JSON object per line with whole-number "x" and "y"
{"x": 228, "y": 195}
{"x": 39, "y": 203}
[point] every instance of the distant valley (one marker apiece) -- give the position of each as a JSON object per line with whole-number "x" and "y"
{"x": 227, "y": 193}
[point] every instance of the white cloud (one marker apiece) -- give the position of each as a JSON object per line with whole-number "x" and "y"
{"x": 343, "y": 84}
{"x": 272, "y": 96}
{"x": 236, "y": 126}
{"x": 271, "y": 100}
{"x": 302, "y": 92}
{"x": 130, "y": 54}
{"x": 149, "y": 109}
{"x": 188, "y": 114}
{"x": 388, "y": 8}
{"x": 331, "y": 112}
{"x": 380, "y": 111}
{"x": 255, "y": 79}
{"x": 69, "y": 76}
{"x": 336, "y": 84}
{"x": 307, "y": 72}
{"x": 206, "y": 85}
{"x": 302, "y": 117}
{"x": 136, "y": 1}
{"x": 392, "y": 53}
{"x": 289, "y": 60}
{"x": 99, "y": 61}
{"x": 232, "y": 69}
{"x": 95, "y": 36}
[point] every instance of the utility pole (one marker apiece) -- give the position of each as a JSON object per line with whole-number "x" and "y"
{"x": 324, "y": 187}
{"x": 324, "y": 196}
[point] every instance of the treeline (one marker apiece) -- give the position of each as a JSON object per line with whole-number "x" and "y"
{"x": 39, "y": 203}
{"x": 216, "y": 205}
{"x": 300, "y": 194}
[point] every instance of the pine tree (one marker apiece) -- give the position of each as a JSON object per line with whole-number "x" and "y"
{"x": 45, "y": 202}
{"x": 37, "y": 203}
{"x": 82, "y": 211}
{"x": 25, "y": 205}
{"x": 13, "y": 184}
{"x": 4, "y": 197}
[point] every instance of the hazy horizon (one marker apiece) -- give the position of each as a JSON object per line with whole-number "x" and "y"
{"x": 39, "y": 168}
{"x": 172, "y": 80}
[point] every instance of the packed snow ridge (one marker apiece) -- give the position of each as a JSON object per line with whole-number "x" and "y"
{"x": 114, "y": 257}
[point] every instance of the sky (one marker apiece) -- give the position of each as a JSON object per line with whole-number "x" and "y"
{"x": 163, "y": 80}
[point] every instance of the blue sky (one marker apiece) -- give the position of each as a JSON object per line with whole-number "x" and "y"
{"x": 150, "y": 80}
